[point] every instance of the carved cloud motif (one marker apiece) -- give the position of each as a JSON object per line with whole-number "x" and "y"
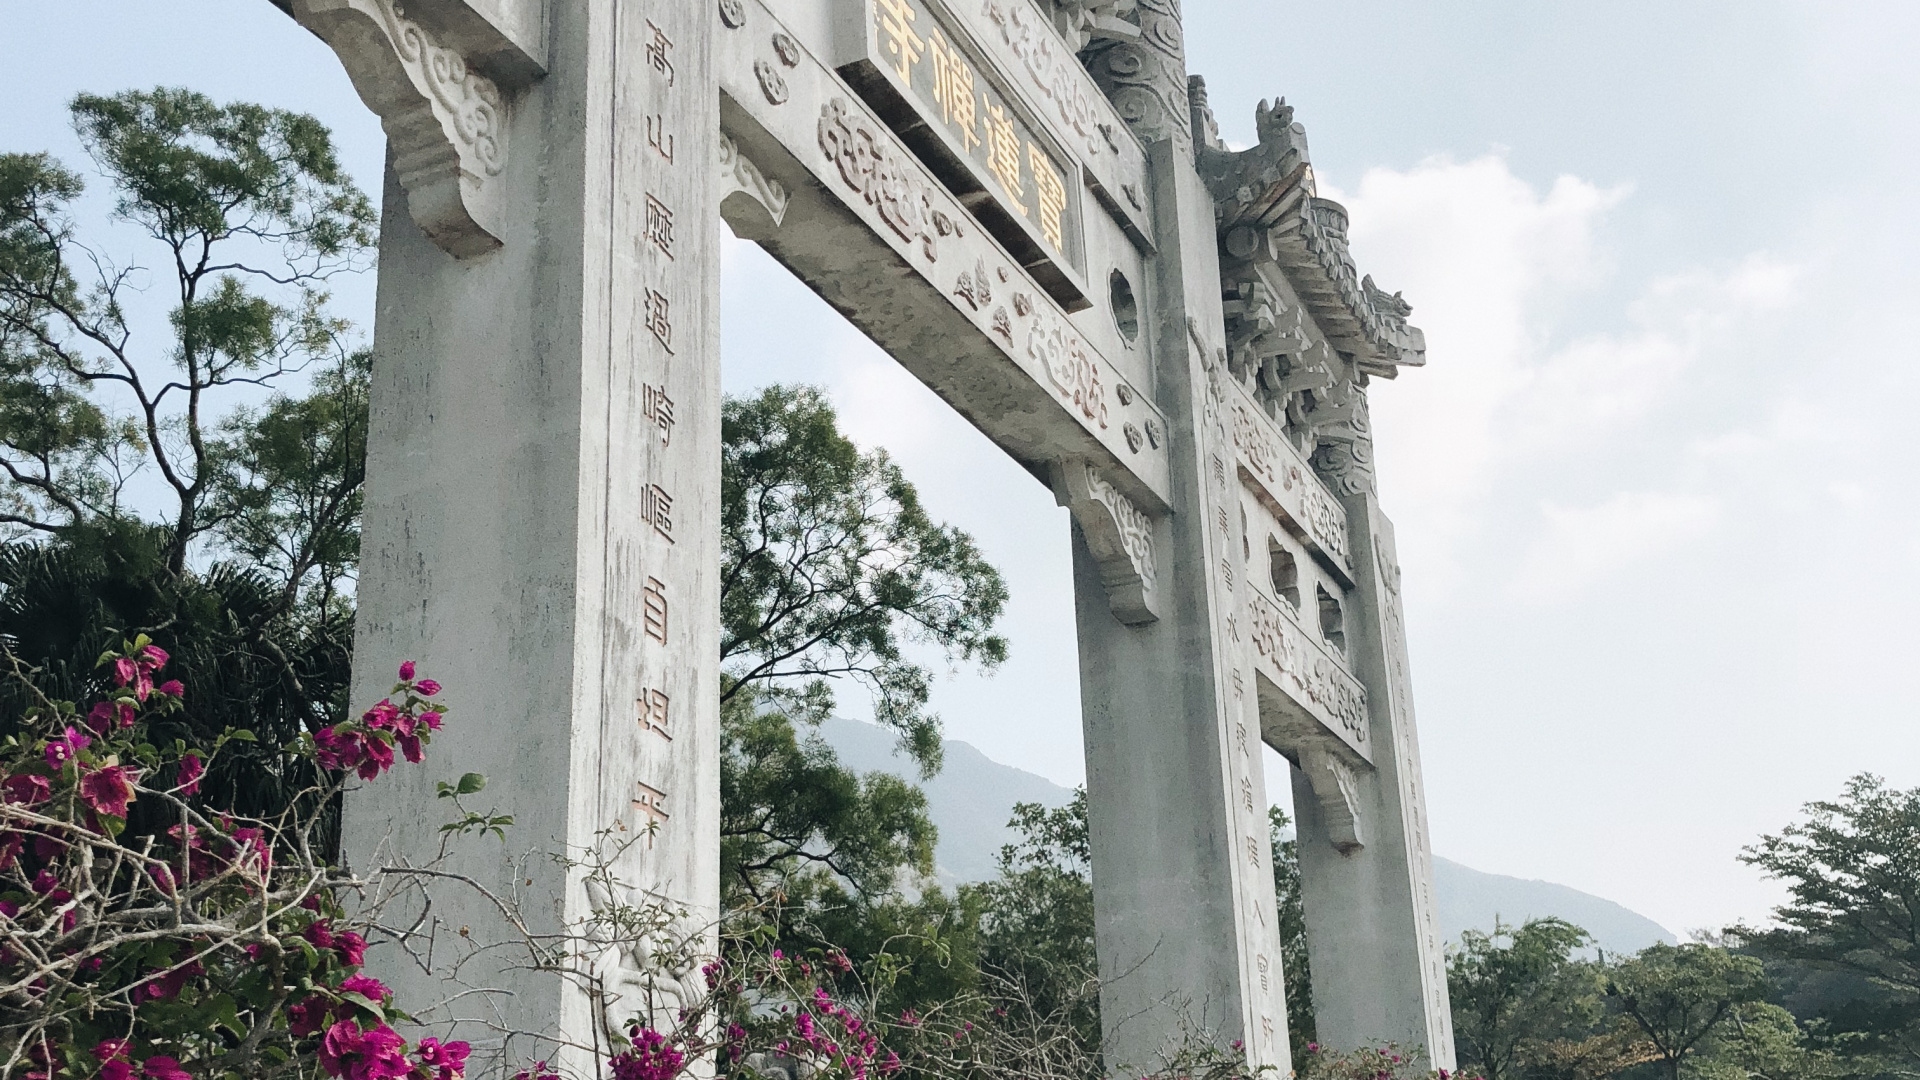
{"x": 445, "y": 123}
{"x": 1118, "y": 534}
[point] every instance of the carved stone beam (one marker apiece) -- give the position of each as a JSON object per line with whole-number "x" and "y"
{"x": 1336, "y": 785}
{"x": 1118, "y": 534}
{"x": 752, "y": 203}
{"x": 446, "y": 123}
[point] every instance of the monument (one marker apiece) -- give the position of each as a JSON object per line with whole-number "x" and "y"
{"x": 1027, "y": 204}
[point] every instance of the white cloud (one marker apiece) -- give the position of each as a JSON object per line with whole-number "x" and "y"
{"x": 1581, "y": 545}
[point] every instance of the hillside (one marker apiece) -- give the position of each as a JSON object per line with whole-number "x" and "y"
{"x": 972, "y": 798}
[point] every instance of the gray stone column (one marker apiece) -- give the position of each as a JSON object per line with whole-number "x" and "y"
{"x": 1183, "y": 887}
{"x": 1379, "y": 967}
{"x": 542, "y": 500}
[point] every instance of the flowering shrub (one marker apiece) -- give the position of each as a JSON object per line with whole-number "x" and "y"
{"x": 201, "y": 946}
{"x": 1377, "y": 1063}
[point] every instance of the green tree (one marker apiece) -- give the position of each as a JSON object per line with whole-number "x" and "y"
{"x": 1515, "y": 991}
{"x": 1852, "y": 870}
{"x": 1296, "y": 967}
{"x": 1680, "y": 995}
{"x": 138, "y": 498}
{"x": 831, "y": 569}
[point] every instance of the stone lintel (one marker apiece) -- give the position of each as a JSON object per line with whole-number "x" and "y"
{"x": 1283, "y": 482}
{"x": 869, "y": 229}
{"x": 1308, "y": 697}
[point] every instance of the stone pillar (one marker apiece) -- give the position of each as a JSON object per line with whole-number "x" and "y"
{"x": 1379, "y": 968}
{"x": 541, "y": 523}
{"x": 1183, "y": 885}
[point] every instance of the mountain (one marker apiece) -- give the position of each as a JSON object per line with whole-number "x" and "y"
{"x": 972, "y": 798}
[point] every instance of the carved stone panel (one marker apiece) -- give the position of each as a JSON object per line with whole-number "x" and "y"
{"x": 1314, "y": 693}
{"x": 446, "y": 123}
{"x": 1285, "y": 484}
{"x": 924, "y": 279}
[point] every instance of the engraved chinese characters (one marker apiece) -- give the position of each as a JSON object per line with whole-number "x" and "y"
{"x": 926, "y": 58}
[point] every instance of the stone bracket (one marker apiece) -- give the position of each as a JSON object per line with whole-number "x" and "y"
{"x": 1118, "y": 534}
{"x": 1336, "y": 784}
{"x": 751, "y": 203}
{"x": 446, "y": 123}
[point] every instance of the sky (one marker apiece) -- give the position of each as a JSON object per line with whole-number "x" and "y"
{"x": 1654, "y": 490}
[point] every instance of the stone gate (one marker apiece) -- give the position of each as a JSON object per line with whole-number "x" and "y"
{"x": 1027, "y": 204}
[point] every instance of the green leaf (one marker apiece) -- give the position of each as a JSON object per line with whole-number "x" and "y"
{"x": 471, "y": 783}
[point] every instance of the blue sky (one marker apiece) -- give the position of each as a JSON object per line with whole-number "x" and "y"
{"x": 1655, "y": 490}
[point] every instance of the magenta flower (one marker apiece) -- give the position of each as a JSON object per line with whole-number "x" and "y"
{"x": 172, "y": 689}
{"x": 108, "y": 790}
{"x": 319, "y": 934}
{"x": 378, "y": 757}
{"x": 449, "y": 1059}
{"x": 153, "y": 657}
{"x": 375, "y": 1053}
{"x": 406, "y": 671}
{"x": 66, "y": 747}
{"x": 124, "y": 671}
{"x": 427, "y": 687}
{"x": 26, "y": 789}
{"x": 163, "y": 1068}
{"x": 336, "y": 750}
{"x": 652, "y": 1058}
{"x": 190, "y": 772}
{"x": 306, "y": 1017}
{"x": 367, "y": 987}
{"x": 107, "y": 715}
{"x": 351, "y": 947}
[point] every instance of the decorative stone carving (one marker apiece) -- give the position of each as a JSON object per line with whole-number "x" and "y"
{"x": 772, "y": 84}
{"x": 639, "y": 971}
{"x": 741, "y": 177}
{"x": 446, "y": 124}
{"x": 1337, "y": 788}
{"x": 1143, "y": 72}
{"x": 1275, "y": 465}
{"x": 872, "y": 169}
{"x": 1055, "y": 72}
{"x": 733, "y": 14}
{"x": 1118, "y": 535}
{"x": 1267, "y": 211}
{"x": 1075, "y": 375}
{"x": 1311, "y": 676}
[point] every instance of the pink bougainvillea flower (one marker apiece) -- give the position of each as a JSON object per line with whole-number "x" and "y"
{"x": 337, "y": 750}
{"x": 101, "y": 717}
{"x": 110, "y": 1049}
{"x": 172, "y": 689}
{"x": 117, "y": 1069}
{"x": 427, "y": 687}
{"x": 190, "y": 773}
{"x": 382, "y": 717}
{"x": 124, "y": 671}
{"x": 378, "y": 757}
{"x": 367, "y": 987}
{"x": 319, "y": 934}
{"x": 307, "y": 1017}
{"x": 351, "y": 947}
{"x": 432, "y": 718}
{"x": 406, "y": 671}
{"x": 652, "y": 1058}
{"x": 154, "y": 656}
{"x": 410, "y": 747}
{"x": 26, "y": 789}
{"x": 163, "y": 1068}
{"x": 448, "y": 1060}
{"x": 168, "y": 986}
{"x": 108, "y": 790}
{"x": 375, "y": 1053}
{"x": 67, "y": 747}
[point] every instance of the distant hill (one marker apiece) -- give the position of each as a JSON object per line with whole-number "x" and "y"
{"x": 973, "y": 796}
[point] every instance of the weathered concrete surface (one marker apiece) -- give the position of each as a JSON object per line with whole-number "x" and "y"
{"x": 517, "y": 541}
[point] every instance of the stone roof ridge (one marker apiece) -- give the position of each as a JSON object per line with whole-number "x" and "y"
{"x": 1267, "y": 209}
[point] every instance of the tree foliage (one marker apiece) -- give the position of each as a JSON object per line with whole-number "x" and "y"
{"x": 831, "y": 569}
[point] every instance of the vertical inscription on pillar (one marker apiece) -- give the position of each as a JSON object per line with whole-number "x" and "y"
{"x": 661, "y": 408}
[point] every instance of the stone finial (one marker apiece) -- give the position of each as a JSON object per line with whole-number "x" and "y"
{"x": 1118, "y": 534}
{"x": 1145, "y": 74}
